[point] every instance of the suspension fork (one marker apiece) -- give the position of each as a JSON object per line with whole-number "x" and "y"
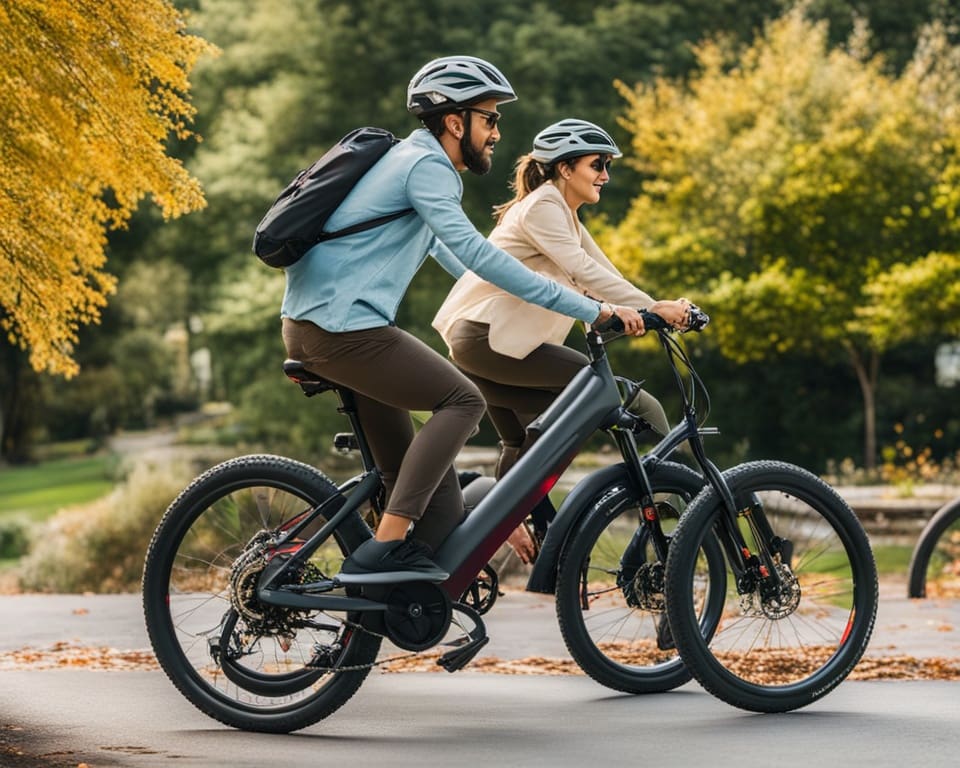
{"x": 769, "y": 543}
{"x": 650, "y": 526}
{"x": 727, "y": 528}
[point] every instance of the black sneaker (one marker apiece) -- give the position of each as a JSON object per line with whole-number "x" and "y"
{"x": 404, "y": 555}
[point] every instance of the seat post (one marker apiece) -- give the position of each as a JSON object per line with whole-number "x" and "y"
{"x": 348, "y": 407}
{"x": 313, "y": 384}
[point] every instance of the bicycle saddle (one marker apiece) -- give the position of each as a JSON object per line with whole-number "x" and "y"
{"x": 309, "y": 382}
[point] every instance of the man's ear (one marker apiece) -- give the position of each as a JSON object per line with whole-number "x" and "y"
{"x": 454, "y": 124}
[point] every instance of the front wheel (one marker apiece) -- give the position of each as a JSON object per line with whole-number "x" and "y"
{"x": 249, "y": 665}
{"x": 801, "y": 602}
{"x": 610, "y": 595}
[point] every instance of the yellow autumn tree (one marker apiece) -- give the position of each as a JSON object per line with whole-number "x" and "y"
{"x": 91, "y": 91}
{"x": 800, "y": 192}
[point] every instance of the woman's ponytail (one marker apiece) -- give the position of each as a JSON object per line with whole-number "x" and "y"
{"x": 528, "y": 175}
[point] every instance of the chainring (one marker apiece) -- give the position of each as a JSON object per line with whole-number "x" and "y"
{"x": 483, "y": 591}
{"x": 418, "y": 615}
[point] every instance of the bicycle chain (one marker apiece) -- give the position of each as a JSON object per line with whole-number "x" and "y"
{"x": 389, "y": 660}
{"x": 377, "y": 663}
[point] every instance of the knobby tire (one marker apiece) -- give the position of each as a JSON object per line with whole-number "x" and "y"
{"x": 187, "y": 606}
{"x": 778, "y": 655}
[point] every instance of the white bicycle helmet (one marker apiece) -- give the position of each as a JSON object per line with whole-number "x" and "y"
{"x": 446, "y": 83}
{"x": 572, "y": 138}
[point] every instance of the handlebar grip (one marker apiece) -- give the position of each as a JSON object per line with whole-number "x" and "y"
{"x": 611, "y": 324}
{"x": 653, "y": 322}
{"x": 698, "y": 319}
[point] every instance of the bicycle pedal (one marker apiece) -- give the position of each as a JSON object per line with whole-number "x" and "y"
{"x": 459, "y": 657}
{"x": 344, "y": 442}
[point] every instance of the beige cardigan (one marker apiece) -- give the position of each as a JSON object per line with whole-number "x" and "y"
{"x": 543, "y": 234}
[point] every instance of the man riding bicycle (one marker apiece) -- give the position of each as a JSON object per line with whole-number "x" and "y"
{"x": 341, "y": 299}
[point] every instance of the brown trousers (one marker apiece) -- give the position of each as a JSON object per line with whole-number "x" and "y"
{"x": 393, "y": 373}
{"x": 517, "y": 391}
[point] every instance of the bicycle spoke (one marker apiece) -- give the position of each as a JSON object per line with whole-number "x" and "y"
{"x": 613, "y": 623}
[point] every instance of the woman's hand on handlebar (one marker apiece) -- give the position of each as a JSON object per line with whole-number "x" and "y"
{"x": 676, "y": 312}
{"x": 678, "y": 315}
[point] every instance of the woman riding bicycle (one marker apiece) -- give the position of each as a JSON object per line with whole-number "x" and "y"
{"x": 513, "y": 350}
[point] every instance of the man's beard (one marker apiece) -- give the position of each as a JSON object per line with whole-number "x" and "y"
{"x": 476, "y": 161}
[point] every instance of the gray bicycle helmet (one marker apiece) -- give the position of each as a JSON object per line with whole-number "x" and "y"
{"x": 572, "y": 138}
{"x": 452, "y": 81}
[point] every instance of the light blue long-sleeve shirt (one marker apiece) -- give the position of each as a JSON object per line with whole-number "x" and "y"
{"x": 356, "y": 282}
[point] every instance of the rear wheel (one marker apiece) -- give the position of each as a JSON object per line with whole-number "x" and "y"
{"x": 244, "y": 663}
{"x": 610, "y": 595}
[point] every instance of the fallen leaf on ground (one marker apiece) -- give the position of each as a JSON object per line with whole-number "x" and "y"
{"x": 65, "y": 655}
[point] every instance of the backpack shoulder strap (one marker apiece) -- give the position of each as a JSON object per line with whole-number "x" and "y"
{"x": 364, "y": 225}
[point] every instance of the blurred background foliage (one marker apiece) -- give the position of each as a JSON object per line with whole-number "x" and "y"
{"x": 195, "y": 318}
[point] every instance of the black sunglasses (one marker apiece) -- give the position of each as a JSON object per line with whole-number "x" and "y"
{"x": 491, "y": 118}
{"x": 600, "y": 165}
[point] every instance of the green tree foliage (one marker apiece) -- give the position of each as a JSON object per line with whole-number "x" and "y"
{"x": 293, "y": 77}
{"x": 138, "y": 375}
{"x": 786, "y": 180}
{"x": 269, "y": 108}
{"x": 919, "y": 298}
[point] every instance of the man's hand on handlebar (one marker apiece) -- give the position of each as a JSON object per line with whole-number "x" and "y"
{"x": 631, "y": 318}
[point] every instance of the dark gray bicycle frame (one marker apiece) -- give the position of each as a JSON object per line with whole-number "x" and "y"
{"x": 589, "y": 403}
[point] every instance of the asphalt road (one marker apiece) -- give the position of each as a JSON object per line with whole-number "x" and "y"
{"x": 426, "y": 719}
{"x": 136, "y": 718}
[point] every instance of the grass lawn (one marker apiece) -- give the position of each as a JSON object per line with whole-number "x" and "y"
{"x": 39, "y": 490}
{"x": 892, "y": 559}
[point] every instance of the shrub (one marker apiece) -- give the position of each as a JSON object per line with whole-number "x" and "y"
{"x": 100, "y": 547}
{"x": 14, "y": 539}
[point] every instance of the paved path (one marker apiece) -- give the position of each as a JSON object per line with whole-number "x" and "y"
{"x": 136, "y": 718}
{"x": 469, "y": 719}
{"x": 520, "y": 625}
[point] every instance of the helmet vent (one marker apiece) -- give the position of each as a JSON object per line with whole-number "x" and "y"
{"x": 494, "y": 76}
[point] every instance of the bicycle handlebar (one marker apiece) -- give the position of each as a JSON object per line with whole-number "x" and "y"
{"x": 653, "y": 322}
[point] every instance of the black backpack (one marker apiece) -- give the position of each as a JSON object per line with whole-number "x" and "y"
{"x": 294, "y": 223}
